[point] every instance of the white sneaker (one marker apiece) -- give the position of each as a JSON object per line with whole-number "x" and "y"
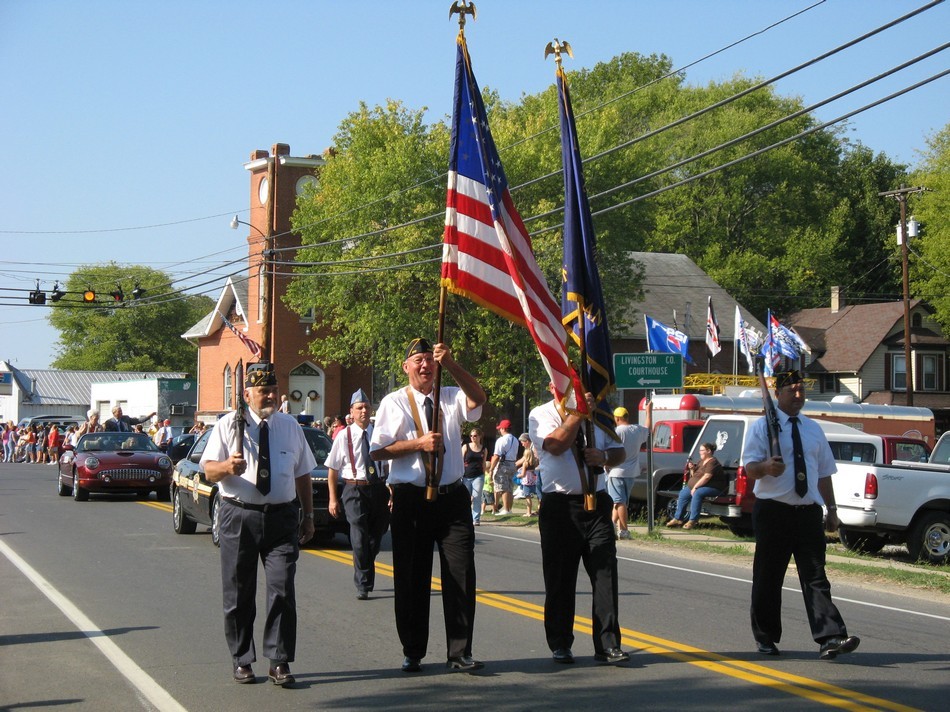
{"x": 502, "y": 513}
{"x": 623, "y": 534}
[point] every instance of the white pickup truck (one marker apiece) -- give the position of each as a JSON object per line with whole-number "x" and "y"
{"x": 904, "y": 503}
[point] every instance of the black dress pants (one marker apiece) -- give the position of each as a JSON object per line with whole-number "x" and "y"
{"x": 417, "y": 526}
{"x": 271, "y": 537}
{"x": 781, "y": 532}
{"x": 367, "y": 512}
{"x": 569, "y": 535}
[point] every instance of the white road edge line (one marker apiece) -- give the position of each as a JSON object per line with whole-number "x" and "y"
{"x": 145, "y": 684}
{"x": 738, "y": 579}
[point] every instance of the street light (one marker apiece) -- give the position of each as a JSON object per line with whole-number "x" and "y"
{"x": 235, "y": 222}
{"x": 265, "y": 286}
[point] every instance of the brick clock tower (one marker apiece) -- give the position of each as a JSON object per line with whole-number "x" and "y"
{"x": 255, "y": 307}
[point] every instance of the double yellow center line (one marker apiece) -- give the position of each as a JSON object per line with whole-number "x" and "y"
{"x": 813, "y": 690}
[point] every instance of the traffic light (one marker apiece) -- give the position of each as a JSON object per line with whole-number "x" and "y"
{"x": 37, "y": 297}
{"x": 57, "y": 293}
{"x": 89, "y": 296}
{"x": 138, "y": 292}
{"x": 117, "y": 295}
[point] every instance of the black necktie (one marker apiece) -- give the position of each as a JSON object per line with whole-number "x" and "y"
{"x": 801, "y": 472}
{"x": 429, "y": 412}
{"x": 371, "y": 474}
{"x": 263, "y": 460}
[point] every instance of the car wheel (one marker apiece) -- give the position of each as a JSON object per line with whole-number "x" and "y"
{"x": 865, "y": 543}
{"x": 61, "y": 489}
{"x": 929, "y": 540}
{"x": 216, "y": 521}
{"x": 163, "y": 495}
{"x": 79, "y": 494}
{"x": 183, "y": 525}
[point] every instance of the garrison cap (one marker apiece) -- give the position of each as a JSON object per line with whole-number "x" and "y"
{"x": 359, "y": 397}
{"x": 260, "y": 374}
{"x": 788, "y": 378}
{"x": 418, "y": 346}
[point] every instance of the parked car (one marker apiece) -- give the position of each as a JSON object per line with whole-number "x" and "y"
{"x": 114, "y": 462}
{"x": 195, "y": 500}
{"x": 60, "y": 421}
{"x": 180, "y": 446}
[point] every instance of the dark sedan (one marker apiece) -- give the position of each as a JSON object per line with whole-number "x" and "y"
{"x": 114, "y": 462}
{"x": 195, "y": 500}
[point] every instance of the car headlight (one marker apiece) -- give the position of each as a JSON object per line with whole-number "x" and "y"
{"x": 92, "y": 463}
{"x": 164, "y": 463}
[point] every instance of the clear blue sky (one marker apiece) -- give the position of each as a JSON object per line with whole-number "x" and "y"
{"x": 129, "y": 114}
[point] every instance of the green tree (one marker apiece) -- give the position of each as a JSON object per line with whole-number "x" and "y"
{"x": 132, "y": 335}
{"x": 777, "y": 231}
{"x": 930, "y": 271}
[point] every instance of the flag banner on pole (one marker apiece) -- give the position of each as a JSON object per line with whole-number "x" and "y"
{"x": 712, "y": 329}
{"x": 666, "y": 339}
{"x": 252, "y": 346}
{"x": 486, "y": 253}
{"x": 781, "y": 341}
{"x": 582, "y": 298}
{"x": 744, "y": 336}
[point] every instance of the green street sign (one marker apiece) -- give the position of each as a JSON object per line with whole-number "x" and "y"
{"x": 648, "y": 371}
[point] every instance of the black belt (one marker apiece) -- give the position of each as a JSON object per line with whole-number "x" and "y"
{"x": 444, "y": 489}
{"x": 258, "y": 507}
{"x": 786, "y": 504}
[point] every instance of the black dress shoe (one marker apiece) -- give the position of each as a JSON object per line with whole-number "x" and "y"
{"x": 832, "y": 647}
{"x": 563, "y": 655}
{"x": 767, "y": 648}
{"x": 243, "y": 674}
{"x": 362, "y": 595}
{"x": 612, "y": 656}
{"x": 464, "y": 663}
{"x": 412, "y": 665}
{"x": 280, "y": 675}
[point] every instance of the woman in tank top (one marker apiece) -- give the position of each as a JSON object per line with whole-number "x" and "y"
{"x": 474, "y": 457}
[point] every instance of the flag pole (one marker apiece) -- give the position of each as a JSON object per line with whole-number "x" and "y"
{"x": 434, "y": 473}
{"x": 588, "y": 476}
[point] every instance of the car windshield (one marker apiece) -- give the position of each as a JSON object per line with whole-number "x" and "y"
{"x": 319, "y": 444}
{"x": 112, "y": 442}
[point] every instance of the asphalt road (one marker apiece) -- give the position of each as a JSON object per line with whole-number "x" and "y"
{"x": 104, "y": 607}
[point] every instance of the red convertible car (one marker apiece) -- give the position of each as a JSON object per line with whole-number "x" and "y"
{"x": 114, "y": 463}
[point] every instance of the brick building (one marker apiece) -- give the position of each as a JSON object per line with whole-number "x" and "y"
{"x": 253, "y": 304}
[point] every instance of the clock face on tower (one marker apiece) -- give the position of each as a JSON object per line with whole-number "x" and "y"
{"x": 263, "y": 190}
{"x": 303, "y": 182}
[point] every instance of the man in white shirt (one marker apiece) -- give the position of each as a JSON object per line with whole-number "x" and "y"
{"x": 404, "y": 435}
{"x": 264, "y": 480}
{"x": 570, "y": 534}
{"x": 364, "y": 497}
{"x": 620, "y": 478}
{"x": 502, "y": 467}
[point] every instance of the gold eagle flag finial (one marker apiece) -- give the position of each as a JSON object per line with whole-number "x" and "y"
{"x": 463, "y": 8}
{"x": 556, "y": 47}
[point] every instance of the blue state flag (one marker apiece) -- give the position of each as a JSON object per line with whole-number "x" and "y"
{"x": 582, "y": 299}
{"x": 666, "y": 339}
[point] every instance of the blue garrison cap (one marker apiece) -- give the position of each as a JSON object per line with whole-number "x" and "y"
{"x": 359, "y": 397}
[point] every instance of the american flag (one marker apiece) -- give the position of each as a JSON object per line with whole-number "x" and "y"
{"x": 252, "y": 346}
{"x": 487, "y": 254}
{"x": 712, "y": 330}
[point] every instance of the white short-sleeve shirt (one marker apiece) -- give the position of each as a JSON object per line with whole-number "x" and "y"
{"x": 559, "y": 473}
{"x": 394, "y": 422}
{"x": 290, "y": 457}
